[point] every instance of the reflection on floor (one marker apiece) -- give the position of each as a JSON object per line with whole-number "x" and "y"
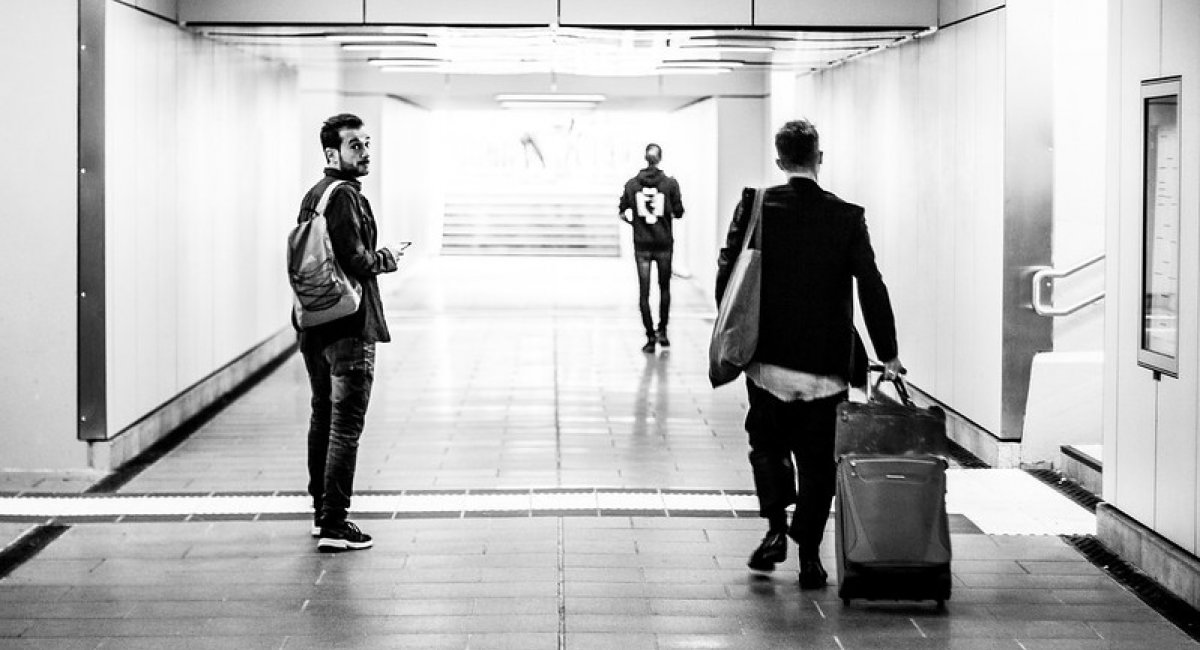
{"x": 533, "y": 481}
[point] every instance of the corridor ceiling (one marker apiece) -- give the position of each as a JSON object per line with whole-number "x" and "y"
{"x": 594, "y": 52}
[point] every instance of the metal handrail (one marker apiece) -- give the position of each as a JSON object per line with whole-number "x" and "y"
{"x": 1045, "y": 277}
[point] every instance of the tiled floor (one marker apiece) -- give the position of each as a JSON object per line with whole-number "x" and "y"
{"x": 533, "y": 481}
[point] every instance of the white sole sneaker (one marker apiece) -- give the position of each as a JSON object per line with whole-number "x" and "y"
{"x": 316, "y": 531}
{"x": 337, "y": 545}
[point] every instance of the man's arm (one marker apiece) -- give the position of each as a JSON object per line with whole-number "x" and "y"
{"x": 733, "y": 242}
{"x": 625, "y": 205}
{"x": 355, "y": 258}
{"x": 873, "y": 296}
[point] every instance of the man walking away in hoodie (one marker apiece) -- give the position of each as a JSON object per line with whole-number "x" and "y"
{"x": 650, "y": 203}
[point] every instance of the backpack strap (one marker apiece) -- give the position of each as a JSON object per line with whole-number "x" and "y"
{"x": 324, "y": 202}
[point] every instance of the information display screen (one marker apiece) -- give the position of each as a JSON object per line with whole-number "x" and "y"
{"x": 1159, "y": 349}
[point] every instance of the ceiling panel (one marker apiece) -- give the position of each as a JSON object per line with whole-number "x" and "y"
{"x": 845, "y": 13}
{"x": 463, "y": 12}
{"x": 295, "y": 12}
{"x": 656, "y": 12}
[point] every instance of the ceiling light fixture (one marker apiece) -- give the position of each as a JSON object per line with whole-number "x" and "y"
{"x": 403, "y": 60}
{"x": 553, "y": 98}
{"x": 376, "y": 38}
{"x": 747, "y": 49}
{"x": 390, "y": 47}
{"x": 698, "y": 63}
{"x": 669, "y": 69}
{"x": 557, "y": 106}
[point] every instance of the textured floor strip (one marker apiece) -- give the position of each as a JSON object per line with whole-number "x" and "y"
{"x": 998, "y": 502}
{"x": 1067, "y": 488}
{"x": 1173, "y": 608}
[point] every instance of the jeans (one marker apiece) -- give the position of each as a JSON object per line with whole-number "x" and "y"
{"x": 340, "y": 375}
{"x": 804, "y": 431}
{"x": 663, "y": 260}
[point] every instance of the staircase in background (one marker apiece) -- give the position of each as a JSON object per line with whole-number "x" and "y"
{"x": 533, "y": 216}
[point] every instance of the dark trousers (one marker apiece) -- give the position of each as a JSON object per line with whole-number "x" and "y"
{"x": 340, "y": 375}
{"x": 663, "y": 260}
{"x": 789, "y": 439}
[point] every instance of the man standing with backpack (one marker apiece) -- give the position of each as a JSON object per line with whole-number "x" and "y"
{"x": 340, "y": 354}
{"x": 650, "y": 203}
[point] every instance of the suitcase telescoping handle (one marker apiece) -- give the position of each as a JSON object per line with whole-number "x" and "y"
{"x": 897, "y": 381}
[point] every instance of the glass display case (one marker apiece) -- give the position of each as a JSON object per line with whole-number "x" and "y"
{"x": 1158, "y": 348}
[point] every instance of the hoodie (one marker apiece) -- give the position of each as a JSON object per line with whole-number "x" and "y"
{"x": 655, "y": 201}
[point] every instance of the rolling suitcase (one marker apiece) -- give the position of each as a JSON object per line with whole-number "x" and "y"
{"x": 891, "y": 531}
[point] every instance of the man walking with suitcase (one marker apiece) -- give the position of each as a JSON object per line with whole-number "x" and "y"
{"x": 813, "y": 246}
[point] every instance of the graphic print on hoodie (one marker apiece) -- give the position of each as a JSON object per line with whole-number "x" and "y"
{"x": 655, "y": 200}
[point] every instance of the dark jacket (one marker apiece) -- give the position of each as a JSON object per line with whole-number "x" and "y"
{"x": 354, "y": 235}
{"x": 813, "y": 245}
{"x": 656, "y": 236}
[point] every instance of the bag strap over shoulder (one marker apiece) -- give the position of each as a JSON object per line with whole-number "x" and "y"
{"x": 324, "y": 202}
{"x": 752, "y": 229}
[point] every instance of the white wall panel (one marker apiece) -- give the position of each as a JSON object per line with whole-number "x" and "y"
{"x": 201, "y": 152}
{"x": 1176, "y": 484}
{"x": 846, "y": 13}
{"x": 1080, "y": 76}
{"x": 271, "y": 11}
{"x": 1133, "y": 461}
{"x": 915, "y": 136}
{"x": 412, "y": 195}
{"x": 690, "y": 155}
{"x": 659, "y": 12}
{"x": 38, "y": 324}
{"x": 463, "y": 12}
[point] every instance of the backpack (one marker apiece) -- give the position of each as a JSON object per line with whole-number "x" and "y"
{"x": 321, "y": 291}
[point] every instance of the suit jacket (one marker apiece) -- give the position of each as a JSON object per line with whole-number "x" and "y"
{"x": 813, "y": 245}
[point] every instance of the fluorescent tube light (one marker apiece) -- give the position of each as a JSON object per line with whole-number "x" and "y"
{"x": 390, "y": 47}
{"x": 548, "y": 105}
{"x": 667, "y": 69}
{"x": 377, "y": 38}
{"x": 728, "y": 48}
{"x": 550, "y": 98}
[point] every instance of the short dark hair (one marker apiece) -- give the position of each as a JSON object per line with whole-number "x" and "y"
{"x": 798, "y": 144}
{"x": 331, "y": 130}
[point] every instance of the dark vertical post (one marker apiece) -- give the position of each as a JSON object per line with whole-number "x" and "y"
{"x": 91, "y": 391}
{"x": 1028, "y": 199}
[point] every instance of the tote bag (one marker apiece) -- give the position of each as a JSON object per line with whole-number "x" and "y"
{"x": 735, "y": 334}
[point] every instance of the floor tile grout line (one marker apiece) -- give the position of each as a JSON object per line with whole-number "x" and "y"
{"x": 562, "y": 588}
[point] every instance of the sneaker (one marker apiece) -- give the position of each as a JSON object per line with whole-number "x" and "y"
{"x": 648, "y": 348}
{"x": 344, "y": 537}
{"x": 663, "y": 341}
{"x": 316, "y": 527}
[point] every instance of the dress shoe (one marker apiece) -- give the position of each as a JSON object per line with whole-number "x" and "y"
{"x": 812, "y": 574}
{"x": 663, "y": 341}
{"x": 770, "y": 552}
{"x": 648, "y": 348}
